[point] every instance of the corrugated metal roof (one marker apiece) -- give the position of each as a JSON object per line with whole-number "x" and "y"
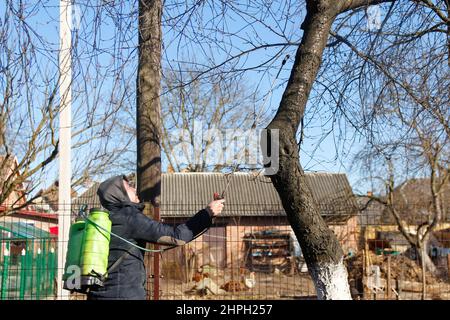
{"x": 88, "y": 197}
{"x": 182, "y": 194}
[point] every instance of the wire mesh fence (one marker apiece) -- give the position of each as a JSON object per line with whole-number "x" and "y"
{"x": 238, "y": 258}
{"x": 28, "y": 258}
{"x": 244, "y": 255}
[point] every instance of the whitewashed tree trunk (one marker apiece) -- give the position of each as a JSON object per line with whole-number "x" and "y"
{"x": 331, "y": 281}
{"x": 319, "y": 244}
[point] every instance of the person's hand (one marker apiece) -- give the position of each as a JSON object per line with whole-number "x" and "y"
{"x": 215, "y": 207}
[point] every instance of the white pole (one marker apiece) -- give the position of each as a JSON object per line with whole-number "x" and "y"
{"x": 65, "y": 122}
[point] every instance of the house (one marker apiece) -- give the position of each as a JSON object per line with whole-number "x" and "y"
{"x": 48, "y": 199}
{"x": 9, "y": 168}
{"x": 413, "y": 201}
{"x": 370, "y": 211}
{"x": 252, "y": 205}
{"x": 45, "y": 221}
{"x": 9, "y": 172}
{"x": 443, "y": 236}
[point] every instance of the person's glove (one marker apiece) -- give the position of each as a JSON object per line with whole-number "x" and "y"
{"x": 215, "y": 207}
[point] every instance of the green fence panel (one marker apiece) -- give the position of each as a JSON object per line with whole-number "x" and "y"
{"x": 5, "y": 273}
{"x": 52, "y": 270}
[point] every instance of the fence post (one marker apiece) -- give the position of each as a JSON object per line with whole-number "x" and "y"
{"x": 388, "y": 280}
{"x": 399, "y": 282}
{"x": 51, "y": 267}
{"x": 424, "y": 271}
{"x": 23, "y": 274}
{"x": 152, "y": 259}
{"x": 156, "y": 270}
{"x": 448, "y": 265}
{"x": 5, "y": 274}
{"x": 38, "y": 274}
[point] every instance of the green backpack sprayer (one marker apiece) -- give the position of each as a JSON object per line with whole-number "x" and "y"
{"x": 87, "y": 251}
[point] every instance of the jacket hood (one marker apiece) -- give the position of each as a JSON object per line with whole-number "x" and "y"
{"x": 112, "y": 193}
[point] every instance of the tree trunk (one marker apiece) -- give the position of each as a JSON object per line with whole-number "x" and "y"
{"x": 148, "y": 109}
{"x": 425, "y": 260}
{"x": 320, "y": 246}
{"x": 424, "y": 271}
{"x": 447, "y": 4}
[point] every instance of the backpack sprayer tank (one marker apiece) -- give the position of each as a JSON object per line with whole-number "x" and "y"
{"x": 87, "y": 252}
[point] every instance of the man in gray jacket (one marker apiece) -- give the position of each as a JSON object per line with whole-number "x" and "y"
{"x": 127, "y": 281}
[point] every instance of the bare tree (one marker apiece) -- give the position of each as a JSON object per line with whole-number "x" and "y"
{"x": 405, "y": 122}
{"x": 205, "y": 115}
{"x": 29, "y": 105}
{"x": 419, "y": 154}
{"x": 418, "y": 203}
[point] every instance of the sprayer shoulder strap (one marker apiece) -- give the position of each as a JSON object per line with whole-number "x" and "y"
{"x": 119, "y": 261}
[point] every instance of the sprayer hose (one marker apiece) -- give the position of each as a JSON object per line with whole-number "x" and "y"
{"x": 133, "y": 244}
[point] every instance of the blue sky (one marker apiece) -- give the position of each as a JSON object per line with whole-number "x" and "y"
{"x": 314, "y": 157}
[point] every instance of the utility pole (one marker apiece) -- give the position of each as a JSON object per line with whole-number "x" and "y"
{"x": 65, "y": 123}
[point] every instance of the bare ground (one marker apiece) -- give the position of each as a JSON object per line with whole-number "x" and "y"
{"x": 267, "y": 286}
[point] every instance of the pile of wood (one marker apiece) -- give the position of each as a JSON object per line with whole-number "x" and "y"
{"x": 401, "y": 268}
{"x": 404, "y": 268}
{"x": 396, "y": 274}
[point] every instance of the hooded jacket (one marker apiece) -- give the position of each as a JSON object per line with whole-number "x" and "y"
{"x": 128, "y": 280}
